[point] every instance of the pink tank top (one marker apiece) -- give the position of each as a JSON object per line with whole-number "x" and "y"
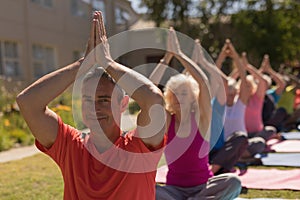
{"x": 187, "y": 157}
{"x": 253, "y": 114}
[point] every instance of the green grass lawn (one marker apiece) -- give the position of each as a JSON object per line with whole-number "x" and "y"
{"x": 38, "y": 177}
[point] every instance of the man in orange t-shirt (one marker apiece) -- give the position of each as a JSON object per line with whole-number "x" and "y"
{"x": 104, "y": 164}
{"x": 86, "y": 177}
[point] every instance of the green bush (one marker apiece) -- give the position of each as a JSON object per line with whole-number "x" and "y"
{"x": 133, "y": 107}
{"x": 6, "y": 142}
{"x": 14, "y": 131}
{"x": 21, "y": 137}
{"x": 13, "y": 128}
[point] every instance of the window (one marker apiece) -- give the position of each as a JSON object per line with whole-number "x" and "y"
{"x": 79, "y": 8}
{"x": 121, "y": 15}
{"x": 9, "y": 59}
{"x": 43, "y": 60}
{"x": 44, "y": 3}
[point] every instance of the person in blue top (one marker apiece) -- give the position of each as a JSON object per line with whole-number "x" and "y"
{"x": 223, "y": 158}
{"x": 271, "y": 114}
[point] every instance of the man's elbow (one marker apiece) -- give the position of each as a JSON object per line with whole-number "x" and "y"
{"x": 158, "y": 98}
{"x": 22, "y": 100}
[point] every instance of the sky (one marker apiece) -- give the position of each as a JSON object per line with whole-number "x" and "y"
{"x": 135, "y": 6}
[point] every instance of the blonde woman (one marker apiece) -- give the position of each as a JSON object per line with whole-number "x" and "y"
{"x": 188, "y": 106}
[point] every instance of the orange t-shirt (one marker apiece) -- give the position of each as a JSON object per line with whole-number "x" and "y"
{"x": 128, "y": 174}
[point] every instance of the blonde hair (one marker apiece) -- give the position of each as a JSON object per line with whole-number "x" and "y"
{"x": 268, "y": 79}
{"x": 174, "y": 82}
{"x": 252, "y": 82}
{"x": 232, "y": 84}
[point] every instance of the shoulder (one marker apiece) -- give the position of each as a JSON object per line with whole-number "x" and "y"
{"x": 257, "y": 97}
{"x": 217, "y": 106}
{"x": 66, "y": 130}
{"x": 65, "y": 135}
{"x": 271, "y": 91}
{"x": 240, "y": 103}
{"x": 69, "y": 141}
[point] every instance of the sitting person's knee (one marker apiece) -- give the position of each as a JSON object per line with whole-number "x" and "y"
{"x": 271, "y": 129}
{"x": 234, "y": 182}
{"x": 241, "y": 138}
{"x": 256, "y": 145}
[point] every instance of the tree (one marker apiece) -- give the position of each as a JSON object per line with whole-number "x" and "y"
{"x": 175, "y": 10}
{"x": 273, "y": 29}
{"x": 156, "y": 10}
{"x": 255, "y": 26}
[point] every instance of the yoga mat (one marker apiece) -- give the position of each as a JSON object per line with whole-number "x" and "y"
{"x": 281, "y": 159}
{"x": 283, "y": 146}
{"x": 272, "y": 179}
{"x": 291, "y": 135}
{"x": 161, "y": 174}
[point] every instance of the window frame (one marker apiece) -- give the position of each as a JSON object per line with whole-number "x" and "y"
{"x": 17, "y": 71}
{"x": 42, "y": 60}
{"x": 43, "y": 3}
{"x": 81, "y": 11}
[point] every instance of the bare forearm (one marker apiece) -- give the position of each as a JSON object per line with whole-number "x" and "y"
{"x": 213, "y": 69}
{"x": 276, "y": 77}
{"x": 160, "y": 69}
{"x": 254, "y": 72}
{"x": 220, "y": 60}
{"x": 262, "y": 82}
{"x": 202, "y": 80}
{"x": 234, "y": 74}
{"x": 280, "y": 83}
{"x": 141, "y": 89}
{"x": 240, "y": 67}
{"x": 192, "y": 68}
{"x": 216, "y": 75}
{"x": 158, "y": 73}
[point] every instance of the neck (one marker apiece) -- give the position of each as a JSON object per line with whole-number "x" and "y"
{"x": 182, "y": 117}
{"x": 229, "y": 103}
{"x": 182, "y": 124}
{"x": 104, "y": 140}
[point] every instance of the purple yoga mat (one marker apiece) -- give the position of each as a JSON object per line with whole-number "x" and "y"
{"x": 272, "y": 179}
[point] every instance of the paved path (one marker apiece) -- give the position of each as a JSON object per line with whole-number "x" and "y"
{"x": 17, "y": 153}
{"x": 128, "y": 122}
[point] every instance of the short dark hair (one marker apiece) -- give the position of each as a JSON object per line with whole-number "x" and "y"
{"x": 100, "y": 73}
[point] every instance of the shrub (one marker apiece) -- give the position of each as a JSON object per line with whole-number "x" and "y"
{"x": 21, "y": 137}
{"x": 5, "y": 142}
{"x": 133, "y": 107}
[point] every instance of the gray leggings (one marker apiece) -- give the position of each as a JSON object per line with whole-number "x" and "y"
{"x": 224, "y": 186}
{"x": 233, "y": 149}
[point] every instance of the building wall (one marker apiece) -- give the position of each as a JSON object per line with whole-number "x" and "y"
{"x": 142, "y": 49}
{"x": 28, "y": 23}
